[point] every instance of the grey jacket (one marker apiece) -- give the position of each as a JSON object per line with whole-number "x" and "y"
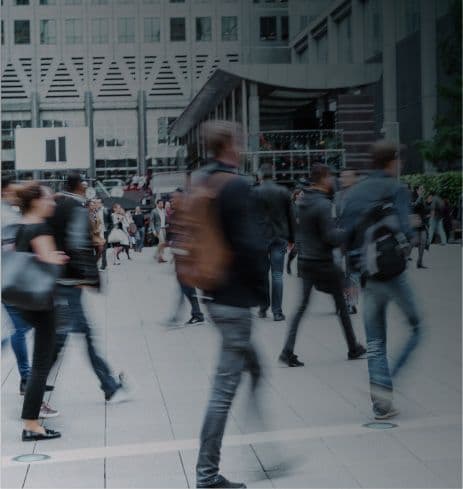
{"x": 317, "y": 232}
{"x": 274, "y": 211}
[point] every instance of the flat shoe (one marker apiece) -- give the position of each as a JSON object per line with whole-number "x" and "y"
{"x": 35, "y": 436}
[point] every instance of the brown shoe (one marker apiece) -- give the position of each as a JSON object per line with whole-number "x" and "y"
{"x": 161, "y": 260}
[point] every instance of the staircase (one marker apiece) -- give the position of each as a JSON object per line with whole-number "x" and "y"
{"x": 355, "y": 116}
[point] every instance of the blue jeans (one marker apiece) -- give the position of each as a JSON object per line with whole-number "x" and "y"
{"x": 437, "y": 224}
{"x": 275, "y": 263}
{"x": 18, "y": 341}
{"x": 377, "y": 295}
{"x": 70, "y": 318}
{"x": 237, "y": 354}
{"x": 140, "y": 238}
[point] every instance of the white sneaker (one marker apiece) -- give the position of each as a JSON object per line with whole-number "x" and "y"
{"x": 46, "y": 411}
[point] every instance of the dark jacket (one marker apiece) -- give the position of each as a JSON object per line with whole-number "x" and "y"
{"x": 317, "y": 232}
{"x": 274, "y": 211}
{"x": 244, "y": 286}
{"x": 71, "y": 228}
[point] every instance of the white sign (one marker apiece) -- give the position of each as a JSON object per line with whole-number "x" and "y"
{"x": 57, "y": 148}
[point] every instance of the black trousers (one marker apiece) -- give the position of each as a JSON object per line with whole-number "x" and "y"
{"x": 327, "y": 277}
{"x": 44, "y": 344}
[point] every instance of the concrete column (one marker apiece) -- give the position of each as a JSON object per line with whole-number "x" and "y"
{"x": 233, "y": 107}
{"x": 254, "y": 117}
{"x": 389, "y": 71}
{"x": 216, "y": 112}
{"x": 358, "y": 53}
{"x": 88, "y": 108}
{"x": 35, "y": 122}
{"x": 244, "y": 112}
{"x": 141, "y": 121}
{"x": 332, "y": 41}
{"x": 428, "y": 70}
{"x": 224, "y": 109}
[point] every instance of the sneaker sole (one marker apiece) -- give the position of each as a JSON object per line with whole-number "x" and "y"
{"x": 47, "y": 416}
{"x": 388, "y": 415}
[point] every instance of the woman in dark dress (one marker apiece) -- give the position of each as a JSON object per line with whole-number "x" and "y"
{"x": 34, "y": 236}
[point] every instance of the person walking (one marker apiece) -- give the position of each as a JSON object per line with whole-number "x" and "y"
{"x": 106, "y": 227}
{"x": 71, "y": 229}
{"x": 139, "y": 220}
{"x": 11, "y": 218}
{"x": 295, "y": 199}
{"x": 421, "y": 211}
{"x": 96, "y": 225}
{"x": 158, "y": 225}
{"x": 436, "y": 222}
{"x": 231, "y": 300}
{"x": 317, "y": 237}
{"x": 275, "y": 217}
{"x": 35, "y": 236}
{"x": 386, "y": 280}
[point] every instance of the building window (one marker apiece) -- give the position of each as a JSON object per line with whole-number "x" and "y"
{"x": 322, "y": 50}
{"x": 47, "y": 2}
{"x": 345, "y": 40}
{"x": 230, "y": 28}
{"x": 152, "y": 29}
{"x": 412, "y": 16}
{"x": 73, "y": 2}
{"x": 268, "y": 28}
{"x": 203, "y": 29}
{"x": 47, "y": 31}
{"x": 284, "y": 28}
{"x": 100, "y": 31}
{"x": 73, "y": 31}
{"x": 177, "y": 1}
{"x": 22, "y": 32}
{"x": 126, "y": 30}
{"x": 3, "y": 35}
{"x": 21, "y": 2}
{"x": 373, "y": 29}
{"x": 163, "y": 126}
{"x": 177, "y": 29}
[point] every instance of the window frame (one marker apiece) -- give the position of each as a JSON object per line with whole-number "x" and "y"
{"x": 171, "y": 21}
{"x": 27, "y": 23}
{"x": 264, "y": 22}
{"x": 232, "y": 34}
{"x": 129, "y": 37}
{"x": 54, "y": 39}
{"x": 198, "y": 24}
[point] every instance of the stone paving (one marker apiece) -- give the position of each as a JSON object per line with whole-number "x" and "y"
{"x": 315, "y": 413}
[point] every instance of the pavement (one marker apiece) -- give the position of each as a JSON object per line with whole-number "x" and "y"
{"x": 314, "y": 415}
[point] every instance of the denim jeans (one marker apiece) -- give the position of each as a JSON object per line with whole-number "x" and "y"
{"x": 237, "y": 354}
{"x": 70, "y": 318}
{"x": 331, "y": 276}
{"x": 275, "y": 263}
{"x": 377, "y": 295}
{"x": 18, "y": 341}
{"x": 140, "y": 237}
{"x": 437, "y": 224}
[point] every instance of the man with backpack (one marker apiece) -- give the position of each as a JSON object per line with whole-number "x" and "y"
{"x": 276, "y": 222}
{"x": 317, "y": 238}
{"x": 217, "y": 250}
{"x": 376, "y": 218}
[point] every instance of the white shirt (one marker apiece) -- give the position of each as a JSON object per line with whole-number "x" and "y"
{"x": 162, "y": 214}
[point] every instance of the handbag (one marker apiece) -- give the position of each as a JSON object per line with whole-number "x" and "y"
{"x": 27, "y": 282}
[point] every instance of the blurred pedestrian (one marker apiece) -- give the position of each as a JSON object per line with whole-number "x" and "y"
{"x": 158, "y": 225}
{"x": 318, "y": 236}
{"x": 96, "y": 225}
{"x": 447, "y": 218}
{"x": 240, "y": 289}
{"x": 73, "y": 236}
{"x": 295, "y": 200}
{"x": 436, "y": 222}
{"x": 35, "y": 236}
{"x": 376, "y": 217}
{"x": 421, "y": 211}
{"x": 139, "y": 220}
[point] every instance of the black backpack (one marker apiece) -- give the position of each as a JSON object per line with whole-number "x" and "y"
{"x": 381, "y": 247}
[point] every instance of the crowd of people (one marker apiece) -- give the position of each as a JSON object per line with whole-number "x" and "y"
{"x": 229, "y": 242}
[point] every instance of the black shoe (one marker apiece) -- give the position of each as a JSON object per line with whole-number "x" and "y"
{"x": 352, "y": 310}
{"x": 279, "y": 317}
{"x": 22, "y": 387}
{"x": 262, "y": 314}
{"x": 357, "y": 353}
{"x": 195, "y": 320}
{"x": 386, "y": 414}
{"x": 291, "y": 360}
{"x": 420, "y": 265}
{"x": 35, "y": 436}
{"x": 288, "y": 270}
{"x": 225, "y": 483}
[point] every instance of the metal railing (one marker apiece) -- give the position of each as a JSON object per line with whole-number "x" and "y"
{"x": 292, "y": 165}
{"x": 323, "y": 139}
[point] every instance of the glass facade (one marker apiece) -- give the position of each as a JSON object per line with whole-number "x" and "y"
{"x": 230, "y": 28}
{"x": 152, "y": 29}
{"x": 73, "y": 31}
{"x": 100, "y": 31}
{"x": 126, "y": 30}
{"x": 47, "y": 31}
{"x": 203, "y": 29}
